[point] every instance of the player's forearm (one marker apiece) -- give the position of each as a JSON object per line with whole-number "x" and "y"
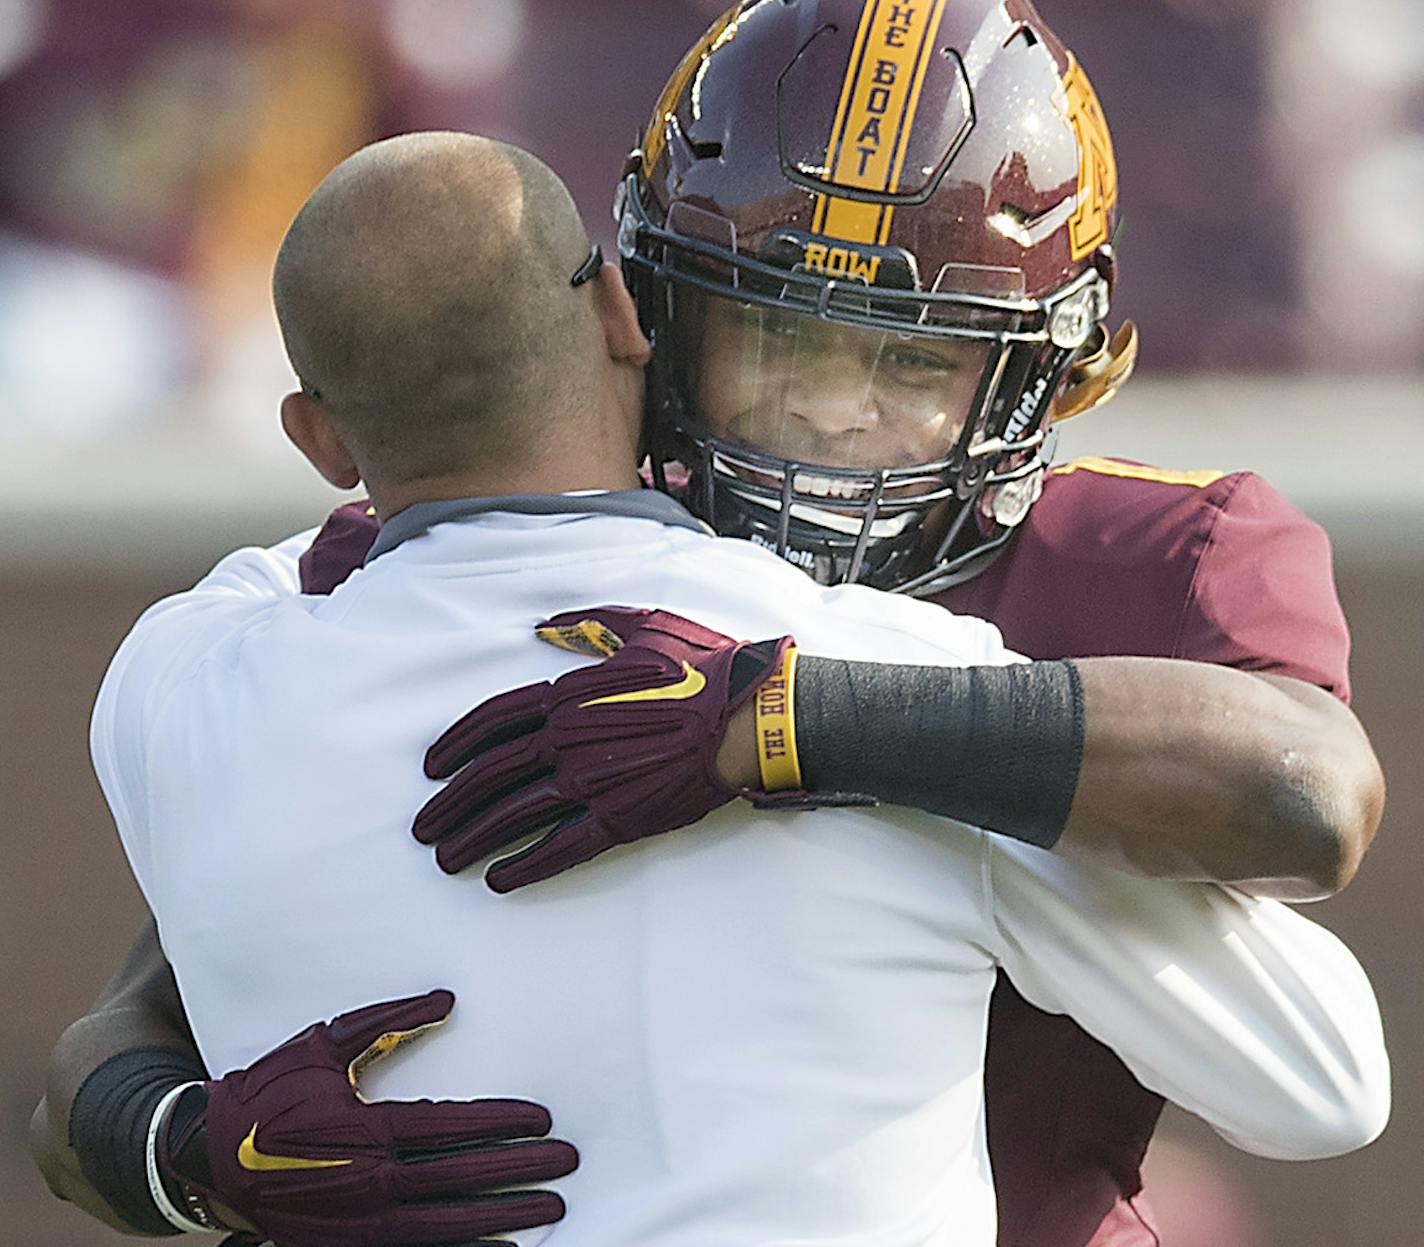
{"x": 1197, "y": 772}
{"x": 60, "y": 1169}
{"x": 1169, "y": 769}
{"x": 81, "y": 1049}
{"x": 138, "y": 1009}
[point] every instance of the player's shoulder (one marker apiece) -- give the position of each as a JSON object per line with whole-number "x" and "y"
{"x": 1119, "y": 557}
{"x": 911, "y": 630}
{"x": 1107, "y": 484}
{"x": 1108, "y": 503}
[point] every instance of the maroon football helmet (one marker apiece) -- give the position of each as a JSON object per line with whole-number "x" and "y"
{"x": 871, "y": 241}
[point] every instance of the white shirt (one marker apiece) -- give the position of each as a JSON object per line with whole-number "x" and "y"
{"x": 763, "y": 1031}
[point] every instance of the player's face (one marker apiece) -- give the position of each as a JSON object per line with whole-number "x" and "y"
{"x": 844, "y": 396}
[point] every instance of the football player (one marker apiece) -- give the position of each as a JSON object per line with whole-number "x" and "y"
{"x": 864, "y": 334}
{"x": 902, "y": 493}
{"x": 874, "y": 247}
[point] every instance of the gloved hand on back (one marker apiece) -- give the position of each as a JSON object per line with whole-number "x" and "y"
{"x": 603, "y": 755}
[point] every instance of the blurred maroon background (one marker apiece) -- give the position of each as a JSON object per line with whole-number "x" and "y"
{"x": 151, "y": 154}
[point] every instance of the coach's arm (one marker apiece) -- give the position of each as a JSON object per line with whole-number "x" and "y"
{"x": 138, "y": 1008}
{"x": 1239, "y": 1010}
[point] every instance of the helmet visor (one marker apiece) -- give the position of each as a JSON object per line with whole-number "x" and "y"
{"x": 818, "y": 392}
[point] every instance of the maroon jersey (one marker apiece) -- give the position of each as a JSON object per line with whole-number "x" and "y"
{"x": 1117, "y": 558}
{"x": 340, "y": 548}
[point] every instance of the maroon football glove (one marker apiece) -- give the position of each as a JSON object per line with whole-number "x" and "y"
{"x": 290, "y": 1147}
{"x": 602, "y": 756}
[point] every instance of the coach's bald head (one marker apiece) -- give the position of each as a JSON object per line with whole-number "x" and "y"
{"x": 425, "y": 300}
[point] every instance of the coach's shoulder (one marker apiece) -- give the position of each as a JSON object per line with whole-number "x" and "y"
{"x": 181, "y": 631}
{"x": 745, "y": 581}
{"x": 903, "y": 629}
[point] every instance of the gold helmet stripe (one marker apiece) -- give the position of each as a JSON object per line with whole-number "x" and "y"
{"x": 912, "y": 110}
{"x": 862, "y": 35}
{"x": 880, "y": 98}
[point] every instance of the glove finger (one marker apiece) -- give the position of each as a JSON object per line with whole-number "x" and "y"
{"x": 656, "y": 628}
{"x": 474, "y": 787}
{"x": 598, "y": 632}
{"x": 506, "y": 1213}
{"x": 356, "y": 1032}
{"x": 682, "y": 634}
{"x": 570, "y": 845}
{"x": 460, "y": 1123}
{"x": 491, "y": 723}
{"x": 485, "y": 1170}
{"x": 521, "y": 813}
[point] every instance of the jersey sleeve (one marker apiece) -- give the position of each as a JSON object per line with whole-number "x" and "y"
{"x": 1262, "y": 597}
{"x": 1240, "y": 1010}
{"x": 166, "y": 642}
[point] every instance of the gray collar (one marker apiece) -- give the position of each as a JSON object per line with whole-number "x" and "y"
{"x": 640, "y": 504}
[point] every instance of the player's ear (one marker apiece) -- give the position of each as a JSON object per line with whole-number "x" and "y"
{"x": 309, "y": 429}
{"x": 625, "y": 338}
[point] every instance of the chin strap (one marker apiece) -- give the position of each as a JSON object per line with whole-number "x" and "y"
{"x": 1098, "y": 374}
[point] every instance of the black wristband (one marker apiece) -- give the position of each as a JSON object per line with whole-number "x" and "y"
{"x": 998, "y": 747}
{"x": 108, "y": 1128}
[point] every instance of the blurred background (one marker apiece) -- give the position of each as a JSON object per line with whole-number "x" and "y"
{"x": 152, "y": 152}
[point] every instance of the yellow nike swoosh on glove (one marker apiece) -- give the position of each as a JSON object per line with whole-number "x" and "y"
{"x": 259, "y": 1162}
{"x": 689, "y": 686}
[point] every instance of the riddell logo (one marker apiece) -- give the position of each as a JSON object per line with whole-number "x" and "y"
{"x": 803, "y": 559}
{"x": 842, "y": 262}
{"x": 1026, "y": 410}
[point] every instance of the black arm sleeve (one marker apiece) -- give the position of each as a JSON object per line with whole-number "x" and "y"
{"x": 108, "y": 1128}
{"x": 998, "y": 747}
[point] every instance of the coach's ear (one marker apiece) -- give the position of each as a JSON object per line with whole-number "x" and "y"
{"x": 310, "y": 430}
{"x": 625, "y": 338}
